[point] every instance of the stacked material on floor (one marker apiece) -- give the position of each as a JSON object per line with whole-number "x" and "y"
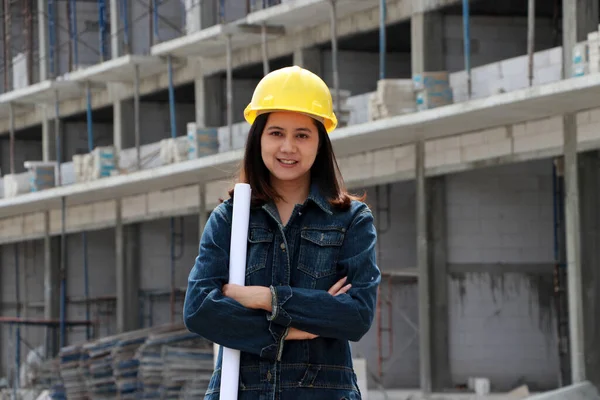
{"x": 16, "y": 184}
{"x": 432, "y": 90}
{"x": 152, "y": 363}
{"x": 184, "y": 365}
{"x": 343, "y": 115}
{"x": 48, "y": 377}
{"x": 201, "y": 141}
{"x": 42, "y": 175}
{"x": 393, "y": 97}
{"x": 73, "y": 371}
{"x": 100, "y": 163}
{"x": 101, "y": 382}
{"x": 593, "y": 42}
{"x": 125, "y": 363}
{"x": 174, "y": 150}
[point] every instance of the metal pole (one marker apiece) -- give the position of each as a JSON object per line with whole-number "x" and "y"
{"x": 531, "y": 38}
{"x": 18, "y": 330}
{"x": 382, "y": 38}
{"x": 467, "y": 44}
{"x": 74, "y": 39}
{"x": 12, "y": 137}
{"x": 8, "y": 44}
{"x": 125, "y": 20}
{"x": 155, "y": 21}
{"x": 572, "y": 215}
{"x": 136, "y": 114}
{"x": 86, "y": 284}
{"x": 63, "y": 242}
{"x": 51, "y": 39}
{"x": 229, "y": 92}
{"x": 423, "y": 270}
{"x": 334, "y": 56}
{"x": 171, "y": 97}
{"x": 102, "y": 28}
{"x": 90, "y": 126}
{"x": 265, "y": 56}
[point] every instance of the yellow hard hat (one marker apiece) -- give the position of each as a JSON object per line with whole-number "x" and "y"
{"x": 293, "y": 89}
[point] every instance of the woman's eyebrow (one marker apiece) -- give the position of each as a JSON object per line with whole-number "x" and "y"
{"x": 275, "y": 127}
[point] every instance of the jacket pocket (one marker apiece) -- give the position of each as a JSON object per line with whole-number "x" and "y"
{"x": 259, "y": 243}
{"x": 319, "y": 251}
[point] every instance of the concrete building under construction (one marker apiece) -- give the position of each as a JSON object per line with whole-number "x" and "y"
{"x": 474, "y": 127}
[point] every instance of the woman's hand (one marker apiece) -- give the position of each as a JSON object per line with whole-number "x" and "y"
{"x": 297, "y": 334}
{"x": 339, "y": 287}
{"x": 254, "y": 297}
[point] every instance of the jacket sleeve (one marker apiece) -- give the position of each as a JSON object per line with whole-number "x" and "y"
{"x": 348, "y": 316}
{"x": 218, "y": 318}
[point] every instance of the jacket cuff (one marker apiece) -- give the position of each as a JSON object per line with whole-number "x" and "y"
{"x": 273, "y": 351}
{"x": 279, "y": 296}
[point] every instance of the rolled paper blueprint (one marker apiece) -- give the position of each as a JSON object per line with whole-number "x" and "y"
{"x": 230, "y": 369}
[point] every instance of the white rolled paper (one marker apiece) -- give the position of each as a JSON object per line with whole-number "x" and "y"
{"x": 230, "y": 368}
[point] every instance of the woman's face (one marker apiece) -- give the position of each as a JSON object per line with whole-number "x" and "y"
{"x": 289, "y": 145}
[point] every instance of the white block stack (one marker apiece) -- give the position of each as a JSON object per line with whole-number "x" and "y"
{"x": 393, "y": 97}
{"x": 15, "y": 184}
{"x": 432, "y": 90}
{"x": 174, "y": 150}
{"x": 344, "y": 115}
{"x": 100, "y": 163}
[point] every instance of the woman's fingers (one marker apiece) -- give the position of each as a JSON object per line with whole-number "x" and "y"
{"x": 338, "y": 285}
{"x": 343, "y": 290}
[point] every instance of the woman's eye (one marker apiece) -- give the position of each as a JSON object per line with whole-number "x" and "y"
{"x": 303, "y": 136}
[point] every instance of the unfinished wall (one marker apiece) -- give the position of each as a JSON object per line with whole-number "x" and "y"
{"x": 31, "y": 260}
{"x": 155, "y": 265}
{"x": 24, "y": 150}
{"x": 500, "y": 260}
{"x": 492, "y": 39}
{"x": 171, "y": 23}
{"x": 500, "y": 256}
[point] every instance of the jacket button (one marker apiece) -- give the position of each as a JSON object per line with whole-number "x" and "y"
{"x": 282, "y": 246}
{"x": 269, "y": 376}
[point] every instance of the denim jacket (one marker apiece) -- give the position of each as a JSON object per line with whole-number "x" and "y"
{"x": 299, "y": 262}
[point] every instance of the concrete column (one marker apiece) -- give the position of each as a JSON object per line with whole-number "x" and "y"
{"x": 114, "y": 29}
{"x": 427, "y": 42}
{"x": 214, "y": 100}
{"x": 51, "y": 286}
{"x": 42, "y": 8}
{"x": 589, "y": 176}
{"x": 310, "y": 59}
{"x": 575, "y": 23}
{"x": 200, "y": 97}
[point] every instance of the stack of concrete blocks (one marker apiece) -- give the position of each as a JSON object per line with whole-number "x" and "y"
{"x": 507, "y": 75}
{"x": 432, "y": 90}
{"x": 201, "y": 141}
{"x": 15, "y": 184}
{"x": 594, "y": 51}
{"x": 580, "y": 59}
{"x": 100, "y": 163}
{"x": 42, "y": 175}
{"x": 393, "y": 97}
{"x": 240, "y": 133}
{"x": 343, "y": 115}
{"x": 174, "y": 150}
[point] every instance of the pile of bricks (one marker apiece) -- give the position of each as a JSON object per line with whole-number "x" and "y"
{"x": 432, "y": 90}
{"x": 100, "y": 163}
{"x": 393, "y": 97}
{"x": 594, "y": 51}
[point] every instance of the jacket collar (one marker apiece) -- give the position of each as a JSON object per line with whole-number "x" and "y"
{"x": 314, "y": 196}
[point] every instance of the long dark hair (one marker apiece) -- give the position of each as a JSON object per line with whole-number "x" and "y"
{"x": 324, "y": 172}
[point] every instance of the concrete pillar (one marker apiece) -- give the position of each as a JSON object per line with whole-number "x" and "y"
{"x": 310, "y": 59}
{"x": 200, "y": 101}
{"x": 114, "y": 29}
{"x": 214, "y": 101}
{"x": 438, "y": 282}
{"x": 427, "y": 42}
{"x": 589, "y": 177}
{"x": 51, "y": 286}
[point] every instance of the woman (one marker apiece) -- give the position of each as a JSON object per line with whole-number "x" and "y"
{"x": 311, "y": 274}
